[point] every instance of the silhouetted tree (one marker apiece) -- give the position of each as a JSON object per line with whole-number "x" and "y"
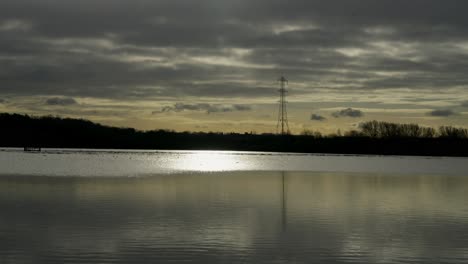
{"x": 452, "y": 132}
{"x": 373, "y": 137}
{"x": 378, "y": 129}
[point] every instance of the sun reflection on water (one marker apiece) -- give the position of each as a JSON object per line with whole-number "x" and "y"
{"x": 210, "y": 161}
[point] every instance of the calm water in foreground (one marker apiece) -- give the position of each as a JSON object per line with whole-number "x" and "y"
{"x": 64, "y": 206}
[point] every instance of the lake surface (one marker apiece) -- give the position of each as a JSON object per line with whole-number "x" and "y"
{"x": 66, "y": 206}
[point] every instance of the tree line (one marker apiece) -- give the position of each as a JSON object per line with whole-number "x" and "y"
{"x": 380, "y": 129}
{"x": 373, "y": 137}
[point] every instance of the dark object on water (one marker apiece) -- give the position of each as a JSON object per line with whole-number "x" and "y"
{"x": 32, "y": 149}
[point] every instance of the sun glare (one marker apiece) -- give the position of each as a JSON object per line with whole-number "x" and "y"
{"x": 210, "y": 161}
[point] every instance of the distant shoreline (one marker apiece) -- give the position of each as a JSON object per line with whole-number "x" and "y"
{"x": 203, "y": 151}
{"x": 51, "y": 132}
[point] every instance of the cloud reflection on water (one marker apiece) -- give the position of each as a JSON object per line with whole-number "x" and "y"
{"x": 235, "y": 217}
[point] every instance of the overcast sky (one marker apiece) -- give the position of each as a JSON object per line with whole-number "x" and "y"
{"x": 214, "y": 64}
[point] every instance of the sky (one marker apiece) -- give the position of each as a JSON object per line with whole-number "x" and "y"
{"x": 213, "y": 65}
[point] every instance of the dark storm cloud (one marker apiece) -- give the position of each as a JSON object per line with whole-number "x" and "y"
{"x": 91, "y": 18}
{"x": 464, "y": 104}
{"x": 168, "y": 49}
{"x": 208, "y": 108}
{"x": 2, "y": 101}
{"x": 60, "y": 101}
{"x": 316, "y": 117}
{"x": 348, "y": 112}
{"x": 442, "y": 113}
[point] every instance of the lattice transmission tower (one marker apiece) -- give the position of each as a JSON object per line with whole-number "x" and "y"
{"x": 282, "y": 111}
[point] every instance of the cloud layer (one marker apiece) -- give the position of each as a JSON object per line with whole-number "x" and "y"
{"x": 60, "y": 101}
{"x": 164, "y": 48}
{"x": 229, "y": 52}
{"x": 208, "y": 108}
{"x": 316, "y": 117}
{"x": 442, "y": 112}
{"x": 348, "y": 112}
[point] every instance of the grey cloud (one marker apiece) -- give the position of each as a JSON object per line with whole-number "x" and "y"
{"x": 208, "y": 108}
{"x": 442, "y": 113}
{"x": 2, "y": 101}
{"x": 178, "y": 43}
{"x": 98, "y": 75}
{"x": 124, "y": 16}
{"x": 464, "y": 104}
{"x": 348, "y": 112}
{"x": 60, "y": 101}
{"x": 316, "y": 117}
{"x": 210, "y": 22}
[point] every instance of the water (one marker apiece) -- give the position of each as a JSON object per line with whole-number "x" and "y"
{"x": 119, "y": 163}
{"x": 211, "y": 207}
